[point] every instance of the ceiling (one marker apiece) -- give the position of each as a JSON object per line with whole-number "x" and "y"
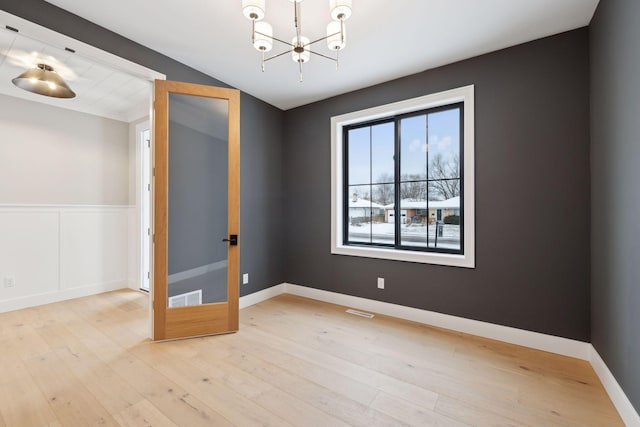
{"x": 100, "y": 90}
{"x": 386, "y": 39}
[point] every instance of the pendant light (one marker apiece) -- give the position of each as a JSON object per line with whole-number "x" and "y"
{"x": 43, "y": 80}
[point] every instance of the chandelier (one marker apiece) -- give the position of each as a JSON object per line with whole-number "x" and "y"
{"x": 300, "y": 46}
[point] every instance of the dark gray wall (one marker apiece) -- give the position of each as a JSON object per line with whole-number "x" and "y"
{"x": 260, "y": 132}
{"x": 615, "y": 195}
{"x": 532, "y": 193}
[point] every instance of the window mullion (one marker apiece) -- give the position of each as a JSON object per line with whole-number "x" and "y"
{"x": 396, "y": 196}
{"x": 426, "y": 137}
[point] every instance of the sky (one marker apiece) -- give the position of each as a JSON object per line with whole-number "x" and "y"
{"x": 369, "y": 166}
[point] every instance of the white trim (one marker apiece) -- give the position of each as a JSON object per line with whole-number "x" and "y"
{"x": 263, "y": 295}
{"x": 536, "y": 340}
{"x": 463, "y": 94}
{"x": 60, "y": 295}
{"x": 558, "y": 345}
{"x": 197, "y": 271}
{"x": 139, "y": 191}
{"x": 620, "y": 400}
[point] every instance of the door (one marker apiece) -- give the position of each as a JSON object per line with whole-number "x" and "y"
{"x": 196, "y": 210}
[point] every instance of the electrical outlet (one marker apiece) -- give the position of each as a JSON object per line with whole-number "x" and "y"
{"x": 9, "y": 281}
{"x": 245, "y": 278}
{"x": 380, "y": 282}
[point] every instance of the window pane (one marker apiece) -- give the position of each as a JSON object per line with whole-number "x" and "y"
{"x": 413, "y": 148}
{"x": 414, "y": 215}
{"x": 444, "y": 145}
{"x": 359, "y": 152}
{"x": 360, "y": 213}
{"x": 382, "y": 147}
{"x": 444, "y": 229}
{"x": 382, "y": 223}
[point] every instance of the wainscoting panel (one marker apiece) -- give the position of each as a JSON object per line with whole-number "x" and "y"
{"x": 28, "y": 253}
{"x": 93, "y": 247}
{"x": 51, "y": 253}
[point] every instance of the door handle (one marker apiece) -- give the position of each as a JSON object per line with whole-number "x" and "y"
{"x": 233, "y": 240}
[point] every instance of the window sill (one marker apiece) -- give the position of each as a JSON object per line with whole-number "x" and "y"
{"x": 466, "y": 261}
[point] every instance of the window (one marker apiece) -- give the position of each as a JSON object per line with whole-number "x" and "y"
{"x": 402, "y": 180}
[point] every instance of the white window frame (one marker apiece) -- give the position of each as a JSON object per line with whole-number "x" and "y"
{"x": 467, "y": 259}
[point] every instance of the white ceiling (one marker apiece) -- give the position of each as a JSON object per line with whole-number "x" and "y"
{"x": 100, "y": 90}
{"x": 386, "y": 39}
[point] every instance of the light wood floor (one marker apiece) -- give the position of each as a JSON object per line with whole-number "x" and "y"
{"x": 294, "y": 362}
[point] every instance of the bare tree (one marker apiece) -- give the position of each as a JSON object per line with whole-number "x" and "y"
{"x": 413, "y": 187}
{"x": 444, "y": 176}
{"x": 383, "y": 193}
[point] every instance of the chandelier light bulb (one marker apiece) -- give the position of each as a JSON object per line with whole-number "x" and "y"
{"x": 253, "y": 9}
{"x": 263, "y": 36}
{"x": 340, "y": 9}
{"x": 336, "y": 36}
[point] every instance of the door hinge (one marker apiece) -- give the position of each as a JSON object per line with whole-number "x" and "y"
{"x": 148, "y": 231}
{"x": 154, "y": 171}
{"x": 149, "y": 143}
{"x": 148, "y": 275}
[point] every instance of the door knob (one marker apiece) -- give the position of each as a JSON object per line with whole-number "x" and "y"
{"x": 233, "y": 239}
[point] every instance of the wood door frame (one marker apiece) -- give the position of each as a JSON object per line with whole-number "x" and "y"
{"x": 180, "y": 322}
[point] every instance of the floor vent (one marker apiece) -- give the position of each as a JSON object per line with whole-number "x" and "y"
{"x": 360, "y": 313}
{"x": 189, "y": 298}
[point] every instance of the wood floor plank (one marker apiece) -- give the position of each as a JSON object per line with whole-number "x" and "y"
{"x": 143, "y": 414}
{"x": 411, "y": 413}
{"x": 364, "y": 375}
{"x": 72, "y": 403}
{"x": 233, "y": 406}
{"x": 315, "y": 373}
{"x": 294, "y": 361}
{"x": 100, "y": 379}
{"x": 23, "y": 403}
{"x": 180, "y": 406}
{"x": 473, "y": 415}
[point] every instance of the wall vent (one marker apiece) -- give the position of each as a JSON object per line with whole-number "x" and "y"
{"x": 360, "y": 313}
{"x": 189, "y": 298}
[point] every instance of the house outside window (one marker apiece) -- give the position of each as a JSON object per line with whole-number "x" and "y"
{"x": 402, "y": 180}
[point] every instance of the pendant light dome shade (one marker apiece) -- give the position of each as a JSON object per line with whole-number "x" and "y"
{"x": 43, "y": 80}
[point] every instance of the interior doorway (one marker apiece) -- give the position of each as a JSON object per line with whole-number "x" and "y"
{"x": 109, "y": 213}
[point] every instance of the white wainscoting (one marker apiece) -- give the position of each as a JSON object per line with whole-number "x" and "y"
{"x": 58, "y": 252}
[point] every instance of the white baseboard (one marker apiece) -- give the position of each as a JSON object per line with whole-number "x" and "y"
{"x": 618, "y": 397}
{"x": 550, "y": 343}
{"x": 263, "y": 295}
{"x": 59, "y": 295}
{"x": 553, "y": 344}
